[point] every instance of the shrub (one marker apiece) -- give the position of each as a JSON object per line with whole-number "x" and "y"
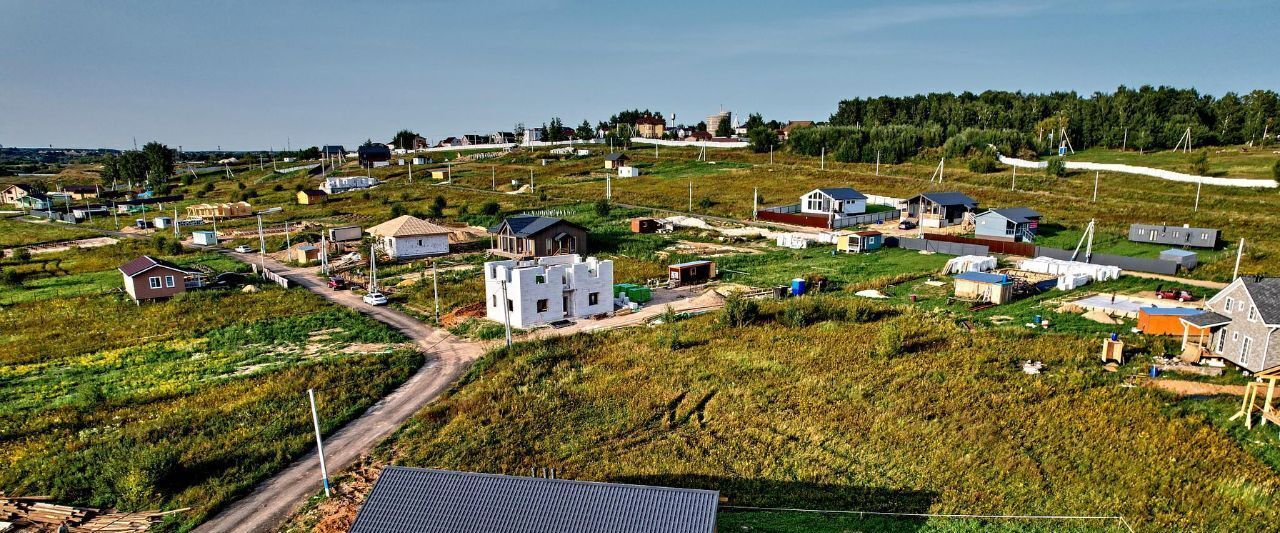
{"x": 490, "y": 208}
{"x": 762, "y": 139}
{"x": 738, "y": 311}
{"x": 602, "y": 208}
{"x": 984, "y": 163}
{"x": 439, "y": 203}
{"x": 1199, "y": 164}
{"x": 890, "y": 342}
{"x": 397, "y": 211}
{"x": 277, "y": 187}
{"x": 1275, "y": 170}
{"x": 22, "y": 254}
{"x": 705, "y": 202}
{"x": 9, "y": 277}
{"x": 1056, "y": 167}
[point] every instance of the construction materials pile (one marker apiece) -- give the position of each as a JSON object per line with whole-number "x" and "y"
{"x": 36, "y": 514}
{"x": 969, "y": 263}
{"x": 1071, "y": 274}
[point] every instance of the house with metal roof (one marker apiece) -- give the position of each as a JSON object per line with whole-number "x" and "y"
{"x": 1015, "y": 224}
{"x": 1240, "y": 325}
{"x": 333, "y": 150}
{"x": 983, "y": 287}
{"x": 374, "y": 155}
{"x": 407, "y": 236}
{"x": 1184, "y": 235}
{"x": 835, "y": 201}
{"x": 615, "y": 160}
{"x": 940, "y": 209}
{"x": 409, "y": 500}
{"x": 148, "y": 278}
{"x": 525, "y": 236}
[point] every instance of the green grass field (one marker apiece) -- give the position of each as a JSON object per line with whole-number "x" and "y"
{"x": 1227, "y": 161}
{"x": 15, "y": 232}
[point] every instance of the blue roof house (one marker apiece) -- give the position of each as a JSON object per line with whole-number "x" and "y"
{"x": 1014, "y": 224}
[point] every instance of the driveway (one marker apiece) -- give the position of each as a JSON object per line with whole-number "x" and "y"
{"x": 275, "y": 499}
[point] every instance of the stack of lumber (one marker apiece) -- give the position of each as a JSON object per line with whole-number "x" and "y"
{"x": 36, "y": 514}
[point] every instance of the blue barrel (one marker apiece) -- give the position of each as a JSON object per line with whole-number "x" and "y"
{"x": 1155, "y": 372}
{"x": 797, "y": 287}
{"x": 1115, "y": 337}
{"x": 1038, "y": 319}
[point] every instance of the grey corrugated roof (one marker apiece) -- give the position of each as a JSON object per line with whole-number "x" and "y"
{"x": 1206, "y": 319}
{"x": 950, "y": 198}
{"x": 421, "y": 500}
{"x": 843, "y": 193}
{"x": 529, "y": 225}
{"x": 616, "y": 156}
{"x": 1266, "y": 297}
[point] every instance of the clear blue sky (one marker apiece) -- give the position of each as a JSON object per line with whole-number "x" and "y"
{"x": 248, "y": 75}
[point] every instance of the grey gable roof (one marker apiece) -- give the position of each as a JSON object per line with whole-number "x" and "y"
{"x": 616, "y": 156}
{"x": 413, "y": 500}
{"x": 949, "y": 198}
{"x": 1266, "y": 297}
{"x": 843, "y": 193}
{"x": 529, "y": 225}
{"x": 1206, "y": 319}
{"x": 1016, "y": 214}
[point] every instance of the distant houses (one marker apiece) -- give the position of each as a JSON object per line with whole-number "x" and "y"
{"x": 1015, "y": 224}
{"x": 341, "y": 184}
{"x": 547, "y": 289}
{"x": 526, "y": 236}
{"x": 940, "y": 209}
{"x": 1174, "y": 235}
{"x": 793, "y": 125}
{"x": 407, "y": 237}
{"x": 311, "y": 196}
{"x": 81, "y": 192}
{"x": 374, "y": 155}
{"x": 333, "y": 150}
{"x": 651, "y": 127}
{"x": 11, "y": 194}
{"x": 148, "y": 278}
{"x": 417, "y": 499}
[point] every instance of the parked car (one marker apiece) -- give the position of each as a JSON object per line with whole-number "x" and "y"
{"x": 242, "y": 249}
{"x": 337, "y": 283}
{"x": 906, "y": 224}
{"x": 375, "y": 298}
{"x": 1172, "y": 294}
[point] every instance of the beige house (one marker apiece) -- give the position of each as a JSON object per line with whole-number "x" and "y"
{"x": 311, "y": 196}
{"x": 12, "y": 193}
{"x": 409, "y": 236}
{"x": 651, "y": 127}
{"x": 228, "y": 210}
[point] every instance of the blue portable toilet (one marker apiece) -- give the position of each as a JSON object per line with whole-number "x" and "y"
{"x": 797, "y": 287}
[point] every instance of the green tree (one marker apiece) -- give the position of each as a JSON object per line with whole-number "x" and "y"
{"x": 110, "y": 169}
{"x": 403, "y": 139}
{"x": 159, "y": 160}
{"x": 585, "y": 131}
{"x": 554, "y": 131}
{"x": 309, "y": 153}
{"x": 754, "y": 120}
{"x": 738, "y": 311}
{"x": 724, "y": 129}
{"x": 1199, "y": 163}
{"x": 490, "y": 208}
{"x": 132, "y": 168}
{"x": 1056, "y": 167}
{"x": 439, "y": 203}
{"x": 602, "y": 208}
{"x": 762, "y": 139}
{"x": 397, "y": 210}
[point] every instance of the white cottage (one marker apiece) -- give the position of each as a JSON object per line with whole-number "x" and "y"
{"x": 838, "y": 200}
{"x": 408, "y": 237}
{"x": 548, "y": 289}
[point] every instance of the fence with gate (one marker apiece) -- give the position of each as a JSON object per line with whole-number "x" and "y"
{"x": 995, "y": 246}
{"x": 272, "y": 276}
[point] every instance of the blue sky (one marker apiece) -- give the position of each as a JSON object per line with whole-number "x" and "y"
{"x": 250, "y": 75}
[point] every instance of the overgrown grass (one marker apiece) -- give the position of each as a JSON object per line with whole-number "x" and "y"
{"x": 781, "y": 266}
{"x": 18, "y": 233}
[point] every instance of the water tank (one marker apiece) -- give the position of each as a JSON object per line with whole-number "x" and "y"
{"x": 797, "y": 287}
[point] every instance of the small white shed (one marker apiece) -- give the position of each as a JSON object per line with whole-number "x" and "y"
{"x": 628, "y": 172}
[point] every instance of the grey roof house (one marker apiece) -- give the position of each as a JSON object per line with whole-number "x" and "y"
{"x": 1016, "y": 224}
{"x": 526, "y": 236}
{"x": 1240, "y": 325}
{"x": 413, "y": 500}
{"x": 1174, "y": 235}
{"x": 940, "y": 209}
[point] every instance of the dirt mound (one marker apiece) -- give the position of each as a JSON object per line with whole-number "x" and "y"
{"x": 461, "y": 314}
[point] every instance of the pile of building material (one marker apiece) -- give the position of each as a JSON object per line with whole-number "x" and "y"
{"x": 1071, "y": 274}
{"x": 795, "y": 241}
{"x": 969, "y": 263}
{"x": 35, "y": 514}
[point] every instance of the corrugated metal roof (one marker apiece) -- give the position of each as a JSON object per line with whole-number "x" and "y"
{"x": 144, "y": 263}
{"x": 949, "y": 198}
{"x": 1020, "y": 215}
{"x": 529, "y": 225}
{"x": 420, "y": 500}
{"x": 1206, "y": 319}
{"x": 691, "y": 263}
{"x": 982, "y": 277}
{"x": 843, "y": 193}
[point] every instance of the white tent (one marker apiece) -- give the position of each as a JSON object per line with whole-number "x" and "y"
{"x": 969, "y": 263}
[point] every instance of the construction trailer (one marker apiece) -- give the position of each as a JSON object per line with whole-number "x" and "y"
{"x": 1168, "y": 321}
{"x": 984, "y": 287}
{"x": 691, "y": 273}
{"x": 204, "y": 238}
{"x": 345, "y": 233}
{"x": 644, "y": 225}
{"x": 860, "y": 241}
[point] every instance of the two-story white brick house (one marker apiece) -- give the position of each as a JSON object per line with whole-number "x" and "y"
{"x": 1242, "y": 323}
{"x": 548, "y": 289}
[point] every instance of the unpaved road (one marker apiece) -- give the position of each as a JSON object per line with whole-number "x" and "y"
{"x": 275, "y": 499}
{"x": 1194, "y": 388}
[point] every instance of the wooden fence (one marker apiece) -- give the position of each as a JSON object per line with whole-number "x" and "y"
{"x": 994, "y": 246}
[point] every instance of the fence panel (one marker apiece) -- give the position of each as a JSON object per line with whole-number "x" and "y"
{"x": 997, "y": 246}
{"x": 940, "y": 247}
{"x": 1137, "y": 264}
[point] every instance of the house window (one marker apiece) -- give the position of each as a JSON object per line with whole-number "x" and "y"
{"x": 1253, "y": 313}
{"x": 1230, "y": 304}
{"x": 419, "y": 242}
{"x": 1244, "y": 349}
{"x": 542, "y": 305}
{"x": 154, "y": 281}
{"x": 593, "y": 298}
{"x": 540, "y": 278}
{"x": 1222, "y": 339}
{"x": 1235, "y": 336}
{"x": 511, "y": 306}
{"x": 168, "y": 281}
{"x": 494, "y": 299}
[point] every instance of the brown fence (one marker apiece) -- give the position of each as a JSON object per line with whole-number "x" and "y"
{"x": 813, "y": 221}
{"x": 995, "y": 246}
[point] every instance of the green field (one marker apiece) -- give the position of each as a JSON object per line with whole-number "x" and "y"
{"x": 15, "y": 232}
{"x": 1226, "y": 161}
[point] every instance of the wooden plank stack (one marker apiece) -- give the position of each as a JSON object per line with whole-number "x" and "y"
{"x": 36, "y": 514}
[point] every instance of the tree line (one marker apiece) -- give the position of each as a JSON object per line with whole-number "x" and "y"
{"x": 1148, "y": 118}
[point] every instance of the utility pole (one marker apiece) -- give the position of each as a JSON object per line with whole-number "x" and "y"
{"x": 1235, "y": 274}
{"x": 877, "y": 162}
{"x": 435, "y": 290}
{"x": 506, "y": 311}
{"x": 410, "y": 171}
{"x": 115, "y": 215}
{"x": 755, "y": 201}
{"x": 315, "y": 421}
{"x": 1199, "y": 184}
{"x": 690, "y": 196}
{"x": 493, "y": 177}
{"x": 608, "y": 187}
{"x": 1095, "y": 186}
{"x": 770, "y": 154}
{"x": 262, "y": 247}
{"x": 531, "y": 185}
{"x": 1014, "y": 184}
{"x": 823, "y": 160}
{"x": 287, "y": 244}
{"x": 175, "y": 222}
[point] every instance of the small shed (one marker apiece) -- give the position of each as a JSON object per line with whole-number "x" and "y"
{"x": 304, "y": 253}
{"x": 1186, "y": 259}
{"x": 311, "y": 196}
{"x": 204, "y": 238}
{"x": 419, "y": 160}
{"x": 162, "y": 222}
{"x": 1168, "y": 321}
{"x": 615, "y": 160}
{"x": 984, "y": 286}
{"x": 860, "y": 241}
{"x": 628, "y": 172}
{"x": 644, "y": 225}
{"x": 439, "y": 174}
{"x": 691, "y": 273}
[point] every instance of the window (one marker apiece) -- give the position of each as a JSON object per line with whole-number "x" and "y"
{"x": 1253, "y": 313}
{"x": 419, "y": 242}
{"x": 154, "y": 281}
{"x": 1230, "y": 304}
{"x": 1235, "y": 336}
{"x": 494, "y": 301}
{"x": 1222, "y": 338}
{"x": 593, "y": 298}
{"x": 542, "y": 305}
{"x": 168, "y": 281}
{"x": 511, "y": 306}
{"x": 540, "y": 278}
{"x": 1244, "y": 349}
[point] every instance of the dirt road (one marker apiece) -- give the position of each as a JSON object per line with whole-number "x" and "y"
{"x": 275, "y": 499}
{"x": 1194, "y": 388}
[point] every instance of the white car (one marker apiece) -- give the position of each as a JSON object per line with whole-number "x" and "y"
{"x": 375, "y": 298}
{"x": 242, "y": 249}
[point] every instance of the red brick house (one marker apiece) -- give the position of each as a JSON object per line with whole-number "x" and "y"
{"x": 148, "y": 278}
